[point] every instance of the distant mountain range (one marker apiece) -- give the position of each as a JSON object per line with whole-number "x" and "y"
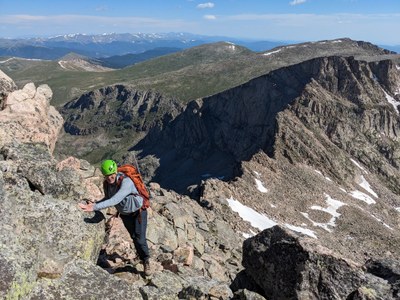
{"x": 106, "y": 45}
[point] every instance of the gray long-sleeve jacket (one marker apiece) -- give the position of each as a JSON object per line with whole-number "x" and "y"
{"x": 126, "y": 198}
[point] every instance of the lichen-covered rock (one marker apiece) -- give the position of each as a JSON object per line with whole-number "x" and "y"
{"x": 42, "y": 228}
{"x": 84, "y": 280}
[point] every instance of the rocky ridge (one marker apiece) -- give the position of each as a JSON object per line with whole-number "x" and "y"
{"x": 197, "y": 245}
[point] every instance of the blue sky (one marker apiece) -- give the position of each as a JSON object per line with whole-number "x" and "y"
{"x": 376, "y": 21}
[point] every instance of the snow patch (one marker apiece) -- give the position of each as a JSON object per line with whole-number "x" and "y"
{"x": 363, "y": 197}
{"x": 246, "y": 235}
{"x": 4, "y": 61}
{"x": 327, "y": 178}
{"x": 365, "y": 185}
{"x": 261, "y": 221}
{"x": 272, "y": 52}
{"x": 256, "y": 219}
{"x": 301, "y": 230}
{"x": 61, "y": 63}
{"x": 21, "y": 58}
{"x": 260, "y": 186}
{"x": 392, "y": 101}
{"x": 333, "y": 206}
{"x": 398, "y": 209}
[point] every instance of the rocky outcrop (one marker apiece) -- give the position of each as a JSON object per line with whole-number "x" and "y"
{"x": 50, "y": 249}
{"x": 41, "y": 227}
{"x": 27, "y": 115}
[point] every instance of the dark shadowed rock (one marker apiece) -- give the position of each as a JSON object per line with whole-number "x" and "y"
{"x": 288, "y": 266}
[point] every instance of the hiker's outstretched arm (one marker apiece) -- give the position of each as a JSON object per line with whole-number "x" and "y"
{"x": 126, "y": 188}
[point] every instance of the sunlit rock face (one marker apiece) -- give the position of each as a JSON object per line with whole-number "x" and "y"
{"x": 27, "y": 115}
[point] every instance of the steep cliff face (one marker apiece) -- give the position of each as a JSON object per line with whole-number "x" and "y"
{"x": 349, "y": 102}
{"x": 113, "y": 119}
{"x": 322, "y": 131}
{"x": 348, "y": 106}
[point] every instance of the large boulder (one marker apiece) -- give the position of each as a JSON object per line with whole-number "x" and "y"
{"x": 287, "y": 265}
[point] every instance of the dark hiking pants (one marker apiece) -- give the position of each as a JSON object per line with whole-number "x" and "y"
{"x": 137, "y": 231}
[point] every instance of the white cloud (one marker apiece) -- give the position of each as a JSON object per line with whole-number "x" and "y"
{"x": 102, "y": 8}
{"x": 297, "y": 2}
{"x": 205, "y": 5}
{"x": 64, "y": 24}
{"x": 210, "y": 17}
{"x": 375, "y": 28}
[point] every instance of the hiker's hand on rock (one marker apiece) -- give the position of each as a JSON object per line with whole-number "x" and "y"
{"x": 86, "y": 207}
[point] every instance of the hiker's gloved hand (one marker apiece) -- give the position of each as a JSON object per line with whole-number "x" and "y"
{"x": 86, "y": 207}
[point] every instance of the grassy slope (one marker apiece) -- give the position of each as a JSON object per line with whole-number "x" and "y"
{"x": 189, "y": 74}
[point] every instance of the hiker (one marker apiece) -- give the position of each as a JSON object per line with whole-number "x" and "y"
{"x": 120, "y": 191}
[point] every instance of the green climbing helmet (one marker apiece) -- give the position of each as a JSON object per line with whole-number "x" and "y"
{"x": 108, "y": 167}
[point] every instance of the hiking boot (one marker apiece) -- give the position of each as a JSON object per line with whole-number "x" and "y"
{"x": 147, "y": 269}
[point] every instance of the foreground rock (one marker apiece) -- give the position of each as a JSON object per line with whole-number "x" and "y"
{"x": 50, "y": 248}
{"x": 41, "y": 227}
{"x": 288, "y": 266}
